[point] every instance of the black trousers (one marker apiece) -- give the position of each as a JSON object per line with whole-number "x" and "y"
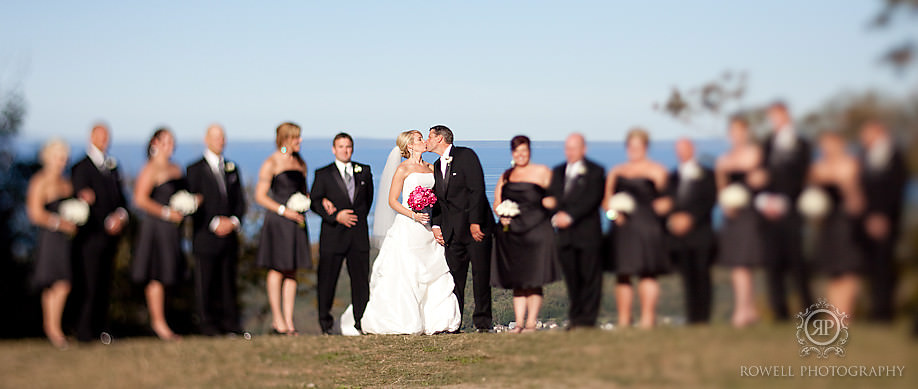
{"x": 358, "y": 269}
{"x": 881, "y": 274}
{"x": 783, "y": 255}
{"x": 694, "y": 265}
{"x": 582, "y": 267}
{"x": 458, "y": 256}
{"x": 216, "y": 291}
{"x": 93, "y": 265}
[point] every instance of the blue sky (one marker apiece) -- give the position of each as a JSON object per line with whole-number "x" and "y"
{"x": 488, "y": 69}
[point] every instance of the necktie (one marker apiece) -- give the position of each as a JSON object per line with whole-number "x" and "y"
{"x": 221, "y": 179}
{"x": 349, "y": 182}
{"x": 569, "y": 178}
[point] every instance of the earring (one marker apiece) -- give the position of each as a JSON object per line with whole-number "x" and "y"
{"x": 512, "y": 162}
{"x": 284, "y": 150}
{"x": 153, "y": 151}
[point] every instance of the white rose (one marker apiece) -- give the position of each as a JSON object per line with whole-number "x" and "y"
{"x": 75, "y": 211}
{"x": 734, "y": 196}
{"x": 508, "y": 208}
{"x": 229, "y": 167}
{"x": 622, "y": 202}
{"x": 183, "y": 202}
{"x": 814, "y": 203}
{"x": 358, "y": 168}
{"x": 298, "y": 202}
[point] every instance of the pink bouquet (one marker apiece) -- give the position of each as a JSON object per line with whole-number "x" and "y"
{"x": 421, "y": 198}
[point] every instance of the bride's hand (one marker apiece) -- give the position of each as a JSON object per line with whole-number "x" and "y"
{"x": 422, "y": 218}
{"x": 294, "y": 215}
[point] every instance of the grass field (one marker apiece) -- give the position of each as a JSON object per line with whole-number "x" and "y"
{"x": 665, "y": 357}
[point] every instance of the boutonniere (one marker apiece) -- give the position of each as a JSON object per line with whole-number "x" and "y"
{"x": 229, "y": 167}
{"x": 447, "y": 159}
{"x": 358, "y": 168}
{"x": 110, "y": 163}
{"x": 581, "y": 170}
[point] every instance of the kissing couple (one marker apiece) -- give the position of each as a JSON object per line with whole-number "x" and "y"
{"x": 417, "y": 284}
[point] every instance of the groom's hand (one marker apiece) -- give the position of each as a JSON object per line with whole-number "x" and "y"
{"x": 346, "y": 217}
{"x": 329, "y": 206}
{"x": 476, "y": 232}
{"x": 438, "y": 235}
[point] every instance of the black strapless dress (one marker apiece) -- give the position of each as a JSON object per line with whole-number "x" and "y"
{"x": 638, "y": 248}
{"x": 525, "y": 256}
{"x": 284, "y": 244}
{"x": 158, "y": 252}
{"x": 52, "y": 254}
{"x": 740, "y": 241}
{"x": 838, "y": 244}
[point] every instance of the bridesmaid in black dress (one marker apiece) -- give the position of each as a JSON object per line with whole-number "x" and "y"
{"x": 525, "y": 257}
{"x": 158, "y": 259}
{"x": 284, "y": 246}
{"x": 740, "y": 239}
{"x": 839, "y": 252}
{"x": 638, "y": 242}
{"x": 47, "y": 188}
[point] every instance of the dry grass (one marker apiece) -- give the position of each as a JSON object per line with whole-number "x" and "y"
{"x": 665, "y": 357}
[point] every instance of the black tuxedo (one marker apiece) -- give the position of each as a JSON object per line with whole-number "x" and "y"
{"x": 692, "y": 253}
{"x": 461, "y": 201}
{"x": 787, "y": 173}
{"x": 94, "y": 249}
{"x": 216, "y": 257}
{"x": 579, "y": 245}
{"x": 884, "y": 192}
{"x": 337, "y": 242}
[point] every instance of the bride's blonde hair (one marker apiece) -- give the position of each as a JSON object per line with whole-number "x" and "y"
{"x": 404, "y": 140}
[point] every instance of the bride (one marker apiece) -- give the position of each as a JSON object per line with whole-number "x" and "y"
{"x": 411, "y": 289}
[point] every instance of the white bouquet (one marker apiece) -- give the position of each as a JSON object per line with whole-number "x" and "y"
{"x": 507, "y": 208}
{"x": 75, "y": 211}
{"x": 183, "y": 202}
{"x": 298, "y": 202}
{"x": 619, "y": 203}
{"x": 733, "y": 196}
{"x": 814, "y": 203}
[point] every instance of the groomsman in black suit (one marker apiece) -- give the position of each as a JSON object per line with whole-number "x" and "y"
{"x": 786, "y": 162}
{"x": 348, "y": 187}
{"x": 577, "y": 187}
{"x": 462, "y": 220}
{"x": 97, "y": 180}
{"x": 215, "y": 241}
{"x": 883, "y": 177}
{"x": 693, "y": 191}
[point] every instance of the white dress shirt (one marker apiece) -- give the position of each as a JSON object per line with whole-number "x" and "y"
{"x": 443, "y": 164}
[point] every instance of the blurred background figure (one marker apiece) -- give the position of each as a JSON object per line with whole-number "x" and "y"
{"x": 577, "y": 187}
{"x": 740, "y": 238}
{"x": 786, "y": 160}
{"x": 525, "y": 255}
{"x": 47, "y": 189}
{"x": 638, "y": 244}
{"x": 158, "y": 259}
{"x": 692, "y": 193}
{"x": 284, "y": 246}
{"x": 838, "y": 252}
{"x": 215, "y": 241}
{"x": 97, "y": 178}
{"x": 883, "y": 179}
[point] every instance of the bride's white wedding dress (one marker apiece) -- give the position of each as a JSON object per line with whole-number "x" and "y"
{"x": 411, "y": 289}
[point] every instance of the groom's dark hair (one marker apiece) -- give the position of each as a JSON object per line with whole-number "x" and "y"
{"x": 443, "y": 131}
{"x": 343, "y": 135}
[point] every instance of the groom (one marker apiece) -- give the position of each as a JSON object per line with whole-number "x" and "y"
{"x": 345, "y": 235}
{"x": 462, "y": 220}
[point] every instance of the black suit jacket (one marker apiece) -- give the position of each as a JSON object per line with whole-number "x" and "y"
{"x": 885, "y": 189}
{"x": 105, "y": 182}
{"x": 787, "y": 175}
{"x": 698, "y": 201}
{"x": 461, "y": 197}
{"x": 328, "y": 184}
{"x": 201, "y": 180}
{"x": 582, "y": 203}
